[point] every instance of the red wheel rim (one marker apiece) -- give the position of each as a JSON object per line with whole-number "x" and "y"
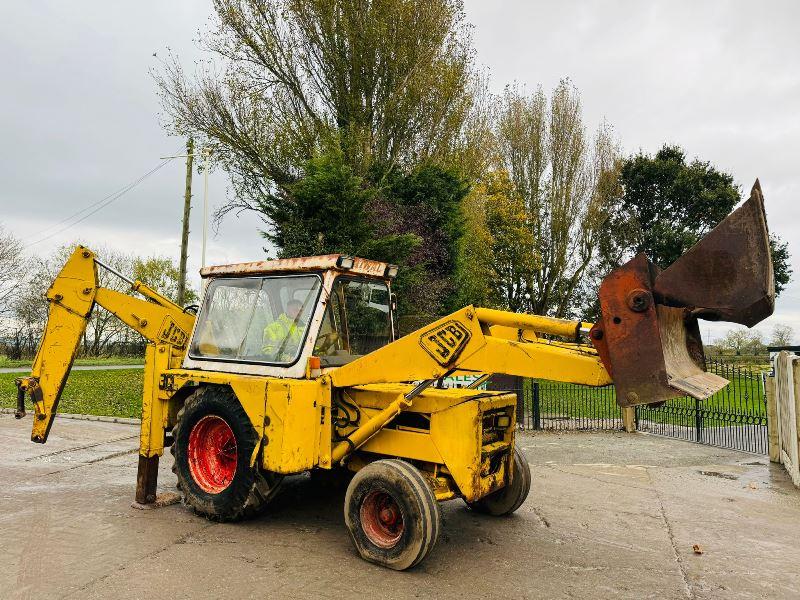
{"x": 212, "y": 454}
{"x": 381, "y": 519}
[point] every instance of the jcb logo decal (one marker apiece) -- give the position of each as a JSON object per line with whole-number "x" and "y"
{"x": 445, "y": 342}
{"x": 172, "y": 334}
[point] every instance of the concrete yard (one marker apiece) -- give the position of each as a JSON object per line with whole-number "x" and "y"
{"x": 609, "y": 516}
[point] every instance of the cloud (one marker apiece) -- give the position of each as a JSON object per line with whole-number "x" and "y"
{"x": 79, "y": 112}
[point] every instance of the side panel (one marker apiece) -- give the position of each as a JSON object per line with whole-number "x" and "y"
{"x": 294, "y": 416}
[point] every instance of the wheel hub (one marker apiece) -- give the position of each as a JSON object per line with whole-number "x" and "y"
{"x": 381, "y": 519}
{"x": 212, "y": 454}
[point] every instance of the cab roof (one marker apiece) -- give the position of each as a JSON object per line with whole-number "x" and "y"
{"x": 361, "y": 266}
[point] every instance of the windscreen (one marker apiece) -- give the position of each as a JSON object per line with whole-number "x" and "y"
{"x": 255, "y": 319}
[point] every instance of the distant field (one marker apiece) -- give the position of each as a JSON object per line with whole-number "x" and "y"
{"x": 115, "y": 393}
{"x": 109, "y": 360}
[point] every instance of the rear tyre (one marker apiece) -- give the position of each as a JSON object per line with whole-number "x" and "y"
{"x": 509, "y": 498}
{"x": 213, "y": 443}
{"x": 392, "y": 514}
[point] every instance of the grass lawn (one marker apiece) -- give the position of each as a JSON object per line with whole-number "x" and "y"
{"x": 115, "y": 393}
{"x": 5, "y": 362}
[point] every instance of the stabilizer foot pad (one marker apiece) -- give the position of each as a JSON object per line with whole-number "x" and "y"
{"x": 165, "y": 499}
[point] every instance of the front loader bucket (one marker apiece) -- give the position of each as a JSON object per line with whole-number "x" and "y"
{"x": 648, "y": 336}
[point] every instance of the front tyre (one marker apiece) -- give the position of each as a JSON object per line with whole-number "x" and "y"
{"x": 213, "y": 443}
{"x": 392, "y": 514}
{"x": 510, "y": 497}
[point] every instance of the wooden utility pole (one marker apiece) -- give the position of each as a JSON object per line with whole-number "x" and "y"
{"x": 187, "y": 208}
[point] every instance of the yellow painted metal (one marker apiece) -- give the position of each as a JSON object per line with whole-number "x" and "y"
{"x": 156, "y": 322}
{"x": 294, "y": 416}
{"x": 72, "y": 297}
{"x": 538, "y": 360}
{"x": 377, "y": 422}
{"x": 457, "y": 434}
{"x": 414, "y": 445}
{"x": 537, "y": 323}
{"x": 413, "y": 357}
{"x": 378, "y": 395}
{"x": 155, "y": 406}
{"x": 250, "y": 391}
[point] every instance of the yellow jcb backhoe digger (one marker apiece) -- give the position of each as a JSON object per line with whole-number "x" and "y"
{"x": 292, "y": 365}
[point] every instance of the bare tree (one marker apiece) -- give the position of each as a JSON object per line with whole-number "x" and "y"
{"x": 782, "y": 335}
{"x": 742, "y": 340}
{"x": 30, "y": 306}
{"x": 565, "y": 178}
{"x": 12, "y": 270}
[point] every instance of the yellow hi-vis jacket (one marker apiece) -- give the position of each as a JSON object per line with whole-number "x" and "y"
{"x": 282, "y": 338}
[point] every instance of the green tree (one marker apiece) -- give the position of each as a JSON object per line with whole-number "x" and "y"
{"x": 13, "y": 266}
{"x": 322, "y": 213}
{"x": 413, "y": 221}
{"x": 667, "y": 205}
{"x": 162, "y": 274}
{"x": 743, "y": 341}
{"x": 780, "y": 262}
{"x": 345, "y": 125}
{"x": 426, "y": 202}
{"x": 499, "y": 257}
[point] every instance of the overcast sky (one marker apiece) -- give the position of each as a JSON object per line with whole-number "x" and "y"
{"x": 79, "y": 112}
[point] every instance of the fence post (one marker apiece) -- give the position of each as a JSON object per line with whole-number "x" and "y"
{"x": 698, "y": 421}
{"x": 537, "y": 424}
{"x": 521, "y": 403}
{"x": 629, "y": 418}
{"x": 772, "y": 421}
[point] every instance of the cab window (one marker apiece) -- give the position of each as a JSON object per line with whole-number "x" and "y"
{"x": 256, "y": 319}
{"x": 357, "y": 321}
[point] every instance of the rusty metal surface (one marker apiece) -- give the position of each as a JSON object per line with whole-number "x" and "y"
{"x": 361, "y": 266}
{"x": 726, "y": 276}
{"x": 653, "y": 352}
{"x": 628, "y": 339}
{"x": 648, "y": 336}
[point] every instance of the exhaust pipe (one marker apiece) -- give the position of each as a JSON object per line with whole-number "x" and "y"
{"x": 648, "y": 337}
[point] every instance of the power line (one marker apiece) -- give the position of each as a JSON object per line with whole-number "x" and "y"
{"x": 97, "y": 206}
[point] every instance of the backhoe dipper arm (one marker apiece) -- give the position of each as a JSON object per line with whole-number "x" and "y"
{"x": 72, "y": 297}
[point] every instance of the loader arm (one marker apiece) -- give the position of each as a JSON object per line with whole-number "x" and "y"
{"x": 72, "y": 296}
{"x": 476, "y": 340}
{"x": 647, "y": 339}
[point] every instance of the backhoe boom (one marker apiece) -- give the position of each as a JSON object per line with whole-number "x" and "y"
{"x": 72, "y": 297}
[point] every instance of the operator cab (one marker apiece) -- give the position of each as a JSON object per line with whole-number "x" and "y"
{"x": 271, "y": 317}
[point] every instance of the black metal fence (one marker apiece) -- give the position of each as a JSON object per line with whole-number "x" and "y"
{"x": 735, "y": 417}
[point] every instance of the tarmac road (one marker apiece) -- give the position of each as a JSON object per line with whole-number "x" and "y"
{"x": 609, "y": 516}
